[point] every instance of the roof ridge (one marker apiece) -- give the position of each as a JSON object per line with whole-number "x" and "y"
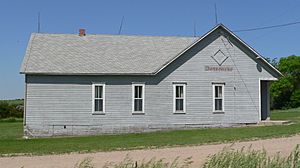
{"x": 121, "y": 35}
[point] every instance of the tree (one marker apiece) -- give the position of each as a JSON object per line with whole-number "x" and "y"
{"x": 273, "y": 61}
{"x": 285, "y": 93}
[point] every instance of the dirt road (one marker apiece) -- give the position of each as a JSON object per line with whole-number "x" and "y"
{"x": 198, "y": 154}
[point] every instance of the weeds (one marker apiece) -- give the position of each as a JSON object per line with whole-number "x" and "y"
{"x": 252, "y": 159}
{"x": 152, "y": 163}
{"x": 245, "y": 157}
{"x": 130, "y": 163}
{"x": 86, "y": 163}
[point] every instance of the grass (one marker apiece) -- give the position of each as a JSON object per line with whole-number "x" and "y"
{"x": 290, "y": 114}
{"x": 252, "y": 159}
{"x": 128, "y": 162}
{"x": 11, "y": 133}
{"x": 86, "y": 163}
{"x": 228, "y": 157}
{"x": 152, "y": 163}
{"x": 11, "y": 120}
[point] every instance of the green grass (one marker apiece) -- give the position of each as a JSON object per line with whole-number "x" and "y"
{"x": 11, "y": 120}
{"x": 11, "y": 133}
{"x": 290, "y": 114}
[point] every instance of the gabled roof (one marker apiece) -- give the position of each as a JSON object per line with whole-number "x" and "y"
{"x": 70, "y": 54}
{"x": 100, "y": 54}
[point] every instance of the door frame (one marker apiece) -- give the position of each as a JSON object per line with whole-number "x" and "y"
{"x": 259, "y": 94}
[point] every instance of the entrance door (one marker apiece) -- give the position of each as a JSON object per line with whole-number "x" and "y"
{"x": 264, "y": 100}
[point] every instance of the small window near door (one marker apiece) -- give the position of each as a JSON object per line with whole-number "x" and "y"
{"x": 218, "y": 97}
{"x": 138, "y": 94}
{"x": 179, "y": 98}
{"x": 98, "y": 98}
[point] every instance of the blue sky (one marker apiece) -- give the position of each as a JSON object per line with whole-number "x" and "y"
{"x": 153, "y": 17}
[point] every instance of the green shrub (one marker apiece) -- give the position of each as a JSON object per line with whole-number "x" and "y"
{"x": 281, "y": 92}
{"x": 285, "y": 93}
{"x": 295, "y": 99}
{"x": 4, "y": 109}
{"x": 11, "y": 109}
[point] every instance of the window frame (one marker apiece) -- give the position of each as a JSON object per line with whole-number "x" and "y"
{"x": 214, "y": 97}
{"x": 174, "y": 98}
{"x": 143, "y": 98}
{"x": 93, "y": 98}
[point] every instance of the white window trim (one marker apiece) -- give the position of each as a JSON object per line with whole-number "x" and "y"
{"x": 223, "y": 100}
{"x": 143, "y": 99}
{"x": 93, "y": 98}
{"x": 184, "y": 99}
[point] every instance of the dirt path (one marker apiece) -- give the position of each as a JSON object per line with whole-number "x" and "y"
{"x": 198, "y": 153}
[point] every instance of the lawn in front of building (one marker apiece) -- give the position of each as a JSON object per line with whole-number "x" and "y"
{"x": 12, "y": 143}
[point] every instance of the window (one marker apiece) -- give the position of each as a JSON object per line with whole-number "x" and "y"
{"x": 179, "y": 98}
{"x": 218, "y": 97}
{"x": 98, "y": 98}
{"x": 138, "y": 96}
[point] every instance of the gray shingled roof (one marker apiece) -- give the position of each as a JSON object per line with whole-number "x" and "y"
{"x": 100, "y": 54}
{"x": 69, "y": 54}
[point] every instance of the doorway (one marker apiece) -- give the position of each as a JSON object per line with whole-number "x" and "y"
{"x": 265, "y": 99}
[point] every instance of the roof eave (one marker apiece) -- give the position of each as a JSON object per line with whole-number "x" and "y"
{"x": 88, "y": 74}
{"x": 27, "y": 54}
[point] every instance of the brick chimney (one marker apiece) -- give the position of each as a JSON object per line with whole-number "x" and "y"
{"x": 81, "y": 32}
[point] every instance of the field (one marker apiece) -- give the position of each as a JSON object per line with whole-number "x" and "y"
{"x": 11, "y": 141}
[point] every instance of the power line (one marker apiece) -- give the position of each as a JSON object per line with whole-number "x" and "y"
{"x": 267, "y": 27}
{"x": 274, "y": 18}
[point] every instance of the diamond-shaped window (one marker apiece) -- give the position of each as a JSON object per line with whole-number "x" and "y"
{"x": 219, "y": 57}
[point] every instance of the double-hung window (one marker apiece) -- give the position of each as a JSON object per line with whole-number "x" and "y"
{"x": 179, "y": 98}
{"x": 218, "y": 97}
{"x": 138, "y": 98}
{"x": 98, "y": 98}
